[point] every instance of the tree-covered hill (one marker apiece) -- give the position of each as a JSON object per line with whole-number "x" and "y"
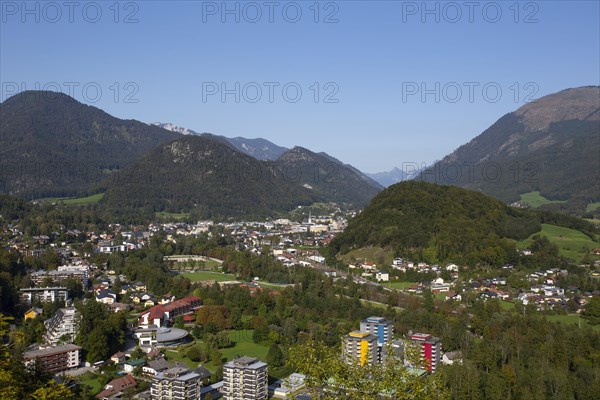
{"x": 445, "y": 223}
{"x": 51, "y": 145}
{"x": 207, "y": 175}
{"x": 327, "y": 178}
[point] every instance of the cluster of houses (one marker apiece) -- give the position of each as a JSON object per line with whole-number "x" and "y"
{"x": 370, "y": 271}
{"x": 405, "y": 265}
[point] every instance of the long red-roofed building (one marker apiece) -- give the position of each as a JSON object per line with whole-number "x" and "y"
{"x": 159, "y": 315}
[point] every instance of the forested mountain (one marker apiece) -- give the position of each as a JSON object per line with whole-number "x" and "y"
{"x": 445, "y": 223}
{"x": 206, "y": 174}
{"x": 52, "y": 145}
{"x": 258, "y": 148}
{"x": 209, "y": 175}
{"x": 328, "y": 178}
{"x": 551, "y": 145}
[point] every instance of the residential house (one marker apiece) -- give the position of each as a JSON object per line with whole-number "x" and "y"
{"x": 132, "y": 364}
{"x": 453, "y": 296}
{"x": 32, "y": 313}
{"x": 382, "y": 276}
{"x": 155, "y": 354}
{"x": 150, "y": 302}
{"x": 118, "y": 358}
{"x": 116, "y": 307}
{"x": 153, "y": 367}
{"x": 452, "y": 267}
{"x": 452, "y": 357}
{"x": 116, "y": 387}
{"x": 106, "y": 296}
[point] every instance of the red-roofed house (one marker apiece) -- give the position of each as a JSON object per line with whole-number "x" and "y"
{"x": 116, "y": 385}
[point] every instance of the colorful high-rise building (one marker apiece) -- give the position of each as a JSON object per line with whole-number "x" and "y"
{"x": 431, "y": 350}
{"x": 383, "y": 329}
{"x": 362, "y": 347}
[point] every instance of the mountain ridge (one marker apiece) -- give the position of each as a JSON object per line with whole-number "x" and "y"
{"x": 551, "y": 145}
{"x": 395, "y": 175}
{"x": 259, "y": 148}
{"x": 207, "y": 175}
{"x": 51, "y": 145}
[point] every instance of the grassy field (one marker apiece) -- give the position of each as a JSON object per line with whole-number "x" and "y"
{"x": 209, "y": 264}
{"x": 93, "y": 199}
{"x": 535, "y": 199}
{"x": 507, "y": 305}
{"x": 378, "y": 304}
{"x": 208, "y": 276}
{"x": 440, "y": 296}
{"x": 174, "y": 356}
{"x": 91, "y": 380}
{"x": 592, "y": 207}
{"x": 377, "y": 255}
{"x": 573, "y": 319}
{"x": 242, "y": 345}
{"x": 570, "y": 242}
{"x": 399, "y": 285}
{"x": 172, "y": 216}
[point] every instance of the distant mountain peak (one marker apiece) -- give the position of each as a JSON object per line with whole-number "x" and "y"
{"x": 259, "y": 148}
{"x": 174, "y": 128}
{"x": 388, "y": 178}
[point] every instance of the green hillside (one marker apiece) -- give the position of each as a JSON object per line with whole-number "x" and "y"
{"x": 95, "y": 198}
{"x": 571, "y": 243}
{"x": 438, "y": 223}
{"x": 535, "y": 199}
{"x": 206, "y": 175}
{"x": 453, "y": 223}
{"x": 54, "y": 146}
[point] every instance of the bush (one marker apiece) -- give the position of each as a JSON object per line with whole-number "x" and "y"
{"x": 194, "y": 354}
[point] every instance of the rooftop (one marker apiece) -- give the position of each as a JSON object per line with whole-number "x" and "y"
{"x": 50, "y": 351}
{"x": 245, "y": 362}
{"x": 178, "y": 374}
{"x": 376, "y": 320}
{"x": 359, "y": 334}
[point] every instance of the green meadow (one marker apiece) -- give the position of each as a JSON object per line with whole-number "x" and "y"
{"x": 535, "y": 199}
{"x": 570, "y": 242}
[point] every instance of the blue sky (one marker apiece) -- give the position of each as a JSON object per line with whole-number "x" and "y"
{"x": 398, "y": 82}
